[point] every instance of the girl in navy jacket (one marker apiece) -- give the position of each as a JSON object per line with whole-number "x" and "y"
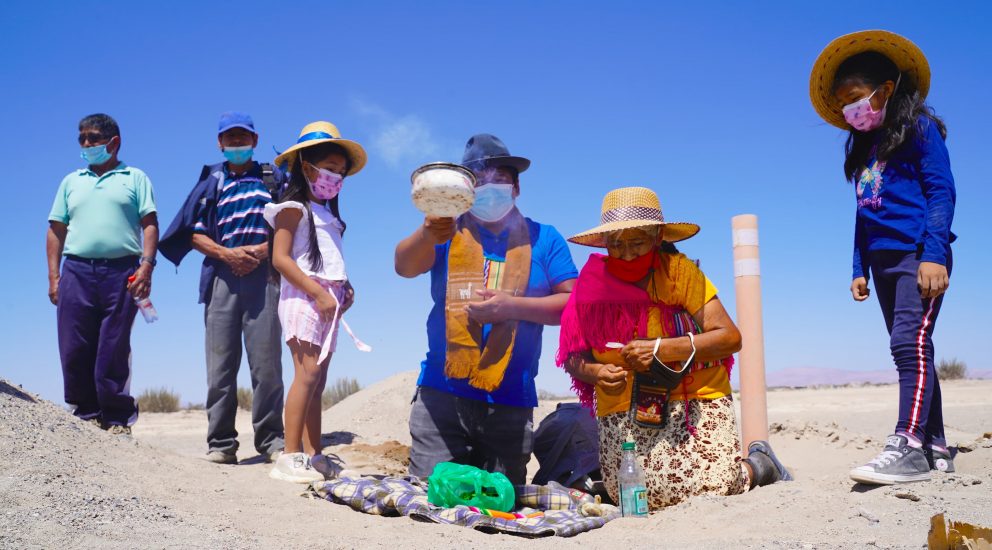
{"x": 873, "y": 84}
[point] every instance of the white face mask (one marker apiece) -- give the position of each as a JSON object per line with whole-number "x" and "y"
{"x": 493, "y": 201}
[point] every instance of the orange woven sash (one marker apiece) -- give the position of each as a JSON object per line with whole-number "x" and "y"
{"x": 466, "y": 357}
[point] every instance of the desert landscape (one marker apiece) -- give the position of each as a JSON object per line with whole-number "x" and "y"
{"x": 66, "y": 484}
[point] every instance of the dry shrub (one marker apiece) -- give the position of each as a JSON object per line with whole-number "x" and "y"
{"x": 951, "y": 369}
{"x": 341, "y": 388}
{"x": 244, "y": 398}
{"x": 159, "y": 400}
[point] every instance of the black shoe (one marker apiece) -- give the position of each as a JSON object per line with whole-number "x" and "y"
{"x": 765, "y": 465}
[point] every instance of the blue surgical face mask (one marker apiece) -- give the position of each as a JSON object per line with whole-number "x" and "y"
{"x": 238, "y": 155}
{"x": 493, "y": 201}
{"x": 96, "y": 155}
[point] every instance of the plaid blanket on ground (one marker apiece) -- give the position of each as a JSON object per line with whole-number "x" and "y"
{"x": 542, "y": 510}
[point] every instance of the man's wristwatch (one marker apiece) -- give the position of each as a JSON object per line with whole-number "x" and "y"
{"x": 150, "y": 260}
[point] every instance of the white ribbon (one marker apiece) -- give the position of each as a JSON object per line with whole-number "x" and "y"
{"x": 325, "y": 348}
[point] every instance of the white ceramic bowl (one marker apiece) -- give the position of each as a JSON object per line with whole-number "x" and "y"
{"x": 443, "y": 189}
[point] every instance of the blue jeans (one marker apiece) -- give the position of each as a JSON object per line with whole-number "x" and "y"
{"x": 448, "y": 428}
{"x": 910, "y": 320}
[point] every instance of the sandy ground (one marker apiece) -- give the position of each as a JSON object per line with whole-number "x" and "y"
{"x": 66, "y": 484}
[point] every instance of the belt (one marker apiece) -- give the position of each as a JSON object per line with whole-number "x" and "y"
{"x": 124, "y": 261}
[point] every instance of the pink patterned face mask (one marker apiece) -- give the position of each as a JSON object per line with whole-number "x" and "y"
{"x": 862, "y": 117}
{"x": 327, "y": 185}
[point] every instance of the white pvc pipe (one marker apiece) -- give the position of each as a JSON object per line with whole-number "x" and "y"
{"x": 751, "y": 359}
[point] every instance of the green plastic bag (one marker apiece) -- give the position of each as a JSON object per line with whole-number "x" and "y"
{"x": 452, "y": 484}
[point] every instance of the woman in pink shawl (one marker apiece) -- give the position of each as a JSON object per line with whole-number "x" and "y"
{"x": 649, "y": 347}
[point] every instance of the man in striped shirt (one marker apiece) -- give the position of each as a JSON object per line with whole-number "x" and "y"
{"x": 222, "y": 218}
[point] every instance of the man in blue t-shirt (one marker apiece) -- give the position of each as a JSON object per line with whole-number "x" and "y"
{"x": 496, "y": 279}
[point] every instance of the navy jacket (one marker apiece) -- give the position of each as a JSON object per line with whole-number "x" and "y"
{"x": 907, "y": 203}
{"x": 202, "y": 201}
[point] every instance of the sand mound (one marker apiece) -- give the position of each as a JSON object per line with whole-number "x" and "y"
{"x": 68, "y": 483}
{"x": 376, "y": 414}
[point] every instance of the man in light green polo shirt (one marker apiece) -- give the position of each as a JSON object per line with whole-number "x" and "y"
{"x": 103, "y": 222}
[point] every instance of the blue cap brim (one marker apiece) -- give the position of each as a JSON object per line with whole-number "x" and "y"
{"x": 245, "y": 126}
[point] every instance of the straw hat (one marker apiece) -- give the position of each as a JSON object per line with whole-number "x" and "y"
{"x": 630, "y": 207}
{"x": 323, "y": 132}
{"x": 907, "y": 56}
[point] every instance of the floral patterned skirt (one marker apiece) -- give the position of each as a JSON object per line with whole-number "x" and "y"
{"x": 678, "y": 465}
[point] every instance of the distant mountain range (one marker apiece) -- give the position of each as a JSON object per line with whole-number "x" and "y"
{"x": 797, "y": 377}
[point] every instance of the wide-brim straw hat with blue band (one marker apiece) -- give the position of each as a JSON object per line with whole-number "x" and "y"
{"x": 629, "y": 208}
{"x": 907, "y": 56}
{"x": 319, "y": 132}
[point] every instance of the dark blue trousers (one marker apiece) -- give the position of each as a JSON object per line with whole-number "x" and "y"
{"x": 95, "y": 315}
{"x": 910, "y": 320}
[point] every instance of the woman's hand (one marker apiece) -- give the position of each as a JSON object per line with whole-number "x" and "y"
{"x": 327, "y": 306}
{"x": 859, "y": 289}
{"x": 611, "y": 379}
{"x": 932, "y": 279}
{"x": 638, "y": 355}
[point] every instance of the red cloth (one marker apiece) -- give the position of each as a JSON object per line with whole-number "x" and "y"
{"x": 605, "y": 309}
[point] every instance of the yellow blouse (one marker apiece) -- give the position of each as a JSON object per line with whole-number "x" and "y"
{"x": 709, "y": 383}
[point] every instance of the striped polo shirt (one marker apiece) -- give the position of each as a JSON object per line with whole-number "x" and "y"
{"x": 240, "y": 205}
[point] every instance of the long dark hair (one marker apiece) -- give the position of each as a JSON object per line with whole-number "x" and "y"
{"x": 297, "y": 189}
{"x": 901, "y": 124}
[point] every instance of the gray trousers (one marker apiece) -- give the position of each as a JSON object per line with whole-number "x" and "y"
{"x": 244, "y": 306}
{"x": 448, "y": 428}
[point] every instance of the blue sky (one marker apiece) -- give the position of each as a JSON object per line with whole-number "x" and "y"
{"x": 707, "y": 104}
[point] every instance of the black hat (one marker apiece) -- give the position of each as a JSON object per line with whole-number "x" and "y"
{"x": 488, "y": 151}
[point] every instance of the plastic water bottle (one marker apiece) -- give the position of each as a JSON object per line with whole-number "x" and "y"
{"x": 145, "y": 306}
{"x": 633, "y": 491}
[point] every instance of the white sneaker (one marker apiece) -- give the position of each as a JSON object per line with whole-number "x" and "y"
{"x": 295, "y": 468}
{"x": 327, "y": 467}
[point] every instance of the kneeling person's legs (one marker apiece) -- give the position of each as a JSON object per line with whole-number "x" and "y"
{"x": 438, "y": 432}
{"x": 506, "y": 440}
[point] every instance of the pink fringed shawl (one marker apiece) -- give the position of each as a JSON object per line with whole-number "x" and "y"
{"x": 605, "y": 309}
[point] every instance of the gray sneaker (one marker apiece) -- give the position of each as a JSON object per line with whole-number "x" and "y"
{"x": 221, "y": 457}
{"x": 897, "y": 463}
{"x": 939, "y": 460}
